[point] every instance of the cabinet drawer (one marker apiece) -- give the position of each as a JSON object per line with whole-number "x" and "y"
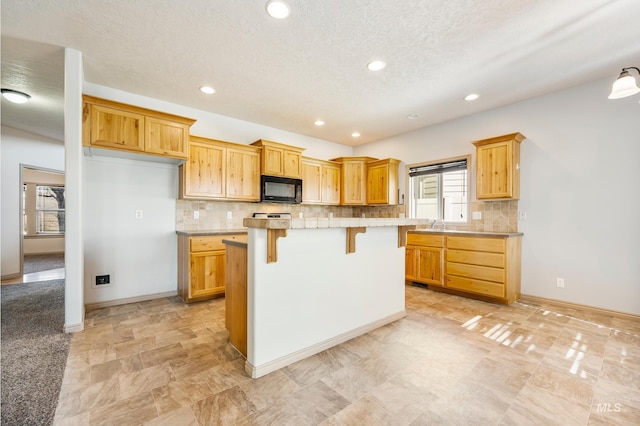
{"x": 425, "y": 240}
{"x": 476, "y": 272}
{"x": 208, "y": 243}
{"x": 475, "y": 286}
{"x": 495, "y": 260}
{"x": 495, "y": 245}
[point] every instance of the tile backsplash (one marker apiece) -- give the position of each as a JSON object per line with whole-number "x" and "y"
{"x": 497, "y": 216}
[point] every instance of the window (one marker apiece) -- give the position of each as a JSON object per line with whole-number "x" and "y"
{"x": 43, "y": 209}
{"x": 439, "y": 190}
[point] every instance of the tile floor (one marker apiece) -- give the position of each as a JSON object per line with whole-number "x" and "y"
{"x": 451, "y": 361}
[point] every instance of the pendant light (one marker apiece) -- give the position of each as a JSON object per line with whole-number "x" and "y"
{"x": 625, "y": 85}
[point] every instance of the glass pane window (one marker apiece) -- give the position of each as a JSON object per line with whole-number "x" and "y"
{"x": 439, "y": 191}
{"x": 50, "y": 209}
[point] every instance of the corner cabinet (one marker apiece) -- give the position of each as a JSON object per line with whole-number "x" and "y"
{"x": 382, "y": 181}
{"x": 220, "y": 170}
{"x": 353, "y": 180}
{"x": 126, "y": 128}
{"x": 201, "y": 267}
{"x": 278, "y": 159}
{"x": 320, "y": 182}
{"x": 498, "y": 167}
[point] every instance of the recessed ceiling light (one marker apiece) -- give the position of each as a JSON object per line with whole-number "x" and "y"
{"x": 355, "y": 134}
{"x": 413, "y": 116}
{"x": 376, "y": 65}
{"x": 208, "y": 90}
{"x": 319, "y": 123}
{"x": 277, "y": 9}
{"x": 471, "y": 97}
{"x": 15, "y": 96}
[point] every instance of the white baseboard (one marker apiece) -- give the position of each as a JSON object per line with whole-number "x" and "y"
{"x": 73, "y": 328}
{"x": 271, "y": 366}
{"x": 94, "y": 306}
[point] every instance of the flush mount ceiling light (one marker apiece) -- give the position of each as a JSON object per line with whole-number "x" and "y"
{"x": 625, "y": 85}
{"x": 355, "y": 134}
{"x": 15, "y": 96}
{"x": 319, "y": 123}
{"x": 376, "y": 65}
{"x": 208, "y": 90}
{"x": 277, "y": 9}
{"x": 471, "y": 97}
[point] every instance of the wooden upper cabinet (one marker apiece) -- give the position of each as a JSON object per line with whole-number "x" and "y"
{"x": 353, "y": 180}
{"x": 243, "y": 173}
{"x": 320, "y": 181}
{"x": 311, "y": 181}
{"x": 166, "y": 137}
{"x": 382, "y": 181}
{"x": 278, "y": 159}
{"x": 114, "y": 128}
{"x": 122, "y": 127}
{"x": 498, "y": 167}
{"x": 204, "y": 174}
{"x": 220, "y": 170}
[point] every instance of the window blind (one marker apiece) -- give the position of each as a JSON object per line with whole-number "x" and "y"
{"x": 434, "y": 169}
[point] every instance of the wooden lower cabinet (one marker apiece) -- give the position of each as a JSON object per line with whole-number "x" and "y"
{"x": 426, "y": 261}
{"x": 487, "y": 266}
{"x": 236, "y": 296}
{"x": 202, "y": 267}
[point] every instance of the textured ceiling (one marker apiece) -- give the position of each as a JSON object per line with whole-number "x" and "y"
{"x": 288, "y": 73}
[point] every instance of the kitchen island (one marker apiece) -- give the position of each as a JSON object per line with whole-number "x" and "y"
{"x": 315, "y": 283}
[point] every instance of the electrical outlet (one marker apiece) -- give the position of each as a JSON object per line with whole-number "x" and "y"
{"x": 229, "y": 215}
{"x": 476, "y": 215}
{"x": 522, "y": 215}
{"x": 139, "y": 214}
{"x": 103, "y": 279}
{"x": 560, "y": 282}
{"x": 196, "y": 214}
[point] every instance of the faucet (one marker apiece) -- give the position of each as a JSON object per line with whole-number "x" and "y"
{"x": 433, "y": 224}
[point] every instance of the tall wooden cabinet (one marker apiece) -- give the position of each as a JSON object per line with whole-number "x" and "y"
{"x": 117, "y": 126}
{"x": 498, "y": 167}
{"x": 320, "y": 181}
{"x": 220, "y": 170}
{"x": 201, "y": 266}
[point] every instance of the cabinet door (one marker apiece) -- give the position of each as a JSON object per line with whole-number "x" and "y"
{"x": 354, "y": 183}
{"x": 377, "y": 184}
{"x": 207, "y": 273}
{"x": 243, "y": 175}
{"x": 205, "y": 171}
{"x": 330, "y": 184}
{"x": 429, "y": 265}
{"x": 272, "y": 161}
{"x": 311, "y": 182}
{"x": 113, "y": 128}
{"x": 409, "y": 263}
{"x": 292, "y": 164}
{"x": 494, "y": 172}
{"x": 167, "y": 138}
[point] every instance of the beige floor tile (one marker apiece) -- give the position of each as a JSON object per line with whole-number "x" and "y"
{"x": 450, "y": 361}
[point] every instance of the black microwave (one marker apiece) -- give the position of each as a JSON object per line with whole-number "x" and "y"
{"x": 277, "y": 189}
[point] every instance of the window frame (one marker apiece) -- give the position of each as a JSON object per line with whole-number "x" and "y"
{"x": 410, "y": 191}
{"x": 30, "y": 210}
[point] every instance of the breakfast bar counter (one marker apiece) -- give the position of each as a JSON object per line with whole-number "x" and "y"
{"x": 315, "y": 283}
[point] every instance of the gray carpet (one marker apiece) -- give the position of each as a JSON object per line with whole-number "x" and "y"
{"x": 34, "y": 351}
{"x": 42, "y": 262}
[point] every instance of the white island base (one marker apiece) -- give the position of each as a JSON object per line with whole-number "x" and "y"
{"x": 314, "y": 295}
